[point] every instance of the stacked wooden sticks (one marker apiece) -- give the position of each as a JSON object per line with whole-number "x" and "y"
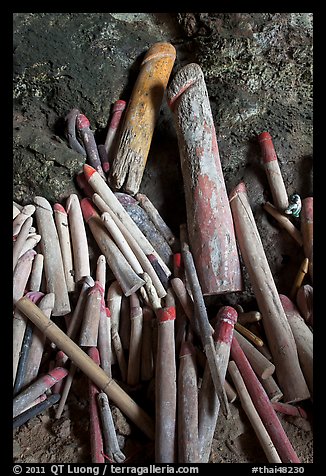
{"x": 140, "y": 344}
{"x": 64, "y": 250}
{"x": 212, "y": 224}
{"x": 145, "y": 351}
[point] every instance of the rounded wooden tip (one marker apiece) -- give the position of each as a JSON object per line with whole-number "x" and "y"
{"x": 59, "y": 208}
{"x": 183, "y": 80}
{"x": 305, "y": 266}
{"x": 60, "y": 355}
{"x": 306, "y": 289}
{"x": 72, "y": 200}
{"x": 71, "y": 113}
{"x": 225, "y": 321}
{"x": 82, "y": 122}
{"x": 87, "y": 209}
{"x": 307, "y": 210}
{"x": 88, "y": 171}
{"x": 34, "y": 296}
{"x": 101, "y": 259}
{"x": 240, "y": 188}
{"x": 287, "y": 304}
{"x": 228, "y": 313}
{"x": 42, "y": 203}
{"x": 119, "y": 105}
{"x": 28, "y": 209}
{"x": 160, "y": 50}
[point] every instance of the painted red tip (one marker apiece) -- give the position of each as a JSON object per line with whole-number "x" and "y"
{"x": 119, "y": 105}
{"x": 166, "y": 314}
{"x": 34, "y": 296}
{"x": 82, "y": 122}
{"x": 307, "y": 211}
{"x": 228, "y": 313}
{"x": 267, "y": 147}
{"x": 88, "y": 210}
{"x": 59, "y": 208}
{"x": 240, "y": 188}
{"x": 186, "y": 349}
{"x": 225, "y": 320}
{"x": 287, "y": 304}
{"x": 58, "y": 373}
{"x": 106, "y": 167}
{"x": 88, "y": 171}
{"x": 264, "y": 136}
{"x": 177, "y": 262}
{"x": 108, "y": 313}
{"x": 60, "y": 357}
